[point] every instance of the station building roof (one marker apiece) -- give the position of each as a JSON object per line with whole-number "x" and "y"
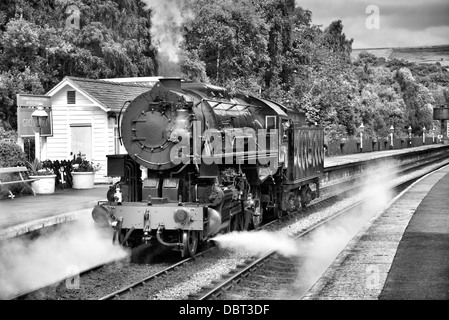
{"x": 109, "y": 94}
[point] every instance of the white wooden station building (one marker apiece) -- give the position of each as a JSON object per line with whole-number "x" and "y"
{"x": 85, "y": 114}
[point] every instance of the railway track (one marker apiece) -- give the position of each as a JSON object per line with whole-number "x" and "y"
{"x": 252, "y": 265}
{"x": 348, "y": 187}
{"x": 162, "y": 273}
{"x": 272, "y": 276}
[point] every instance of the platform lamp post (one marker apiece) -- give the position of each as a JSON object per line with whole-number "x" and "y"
{"x": 40, "y": 118}
{"x": 362, "y": 128}
{"x": 410, "y": 136}
{"x": 433, "y": 133}
{"x": 424, "y": 135}
{"x": 392, "y": 136}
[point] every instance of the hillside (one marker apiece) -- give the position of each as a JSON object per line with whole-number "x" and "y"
{"x": 431, "y": 54}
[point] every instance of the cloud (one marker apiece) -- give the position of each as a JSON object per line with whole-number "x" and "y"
{"x": 402, "y": 22}
{"x": 395, "y": 37}
{"x": 416, "y": 17}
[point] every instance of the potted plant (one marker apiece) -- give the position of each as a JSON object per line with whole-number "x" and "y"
{"x": 45, "y": 178}
{"x": 83, "y": 172}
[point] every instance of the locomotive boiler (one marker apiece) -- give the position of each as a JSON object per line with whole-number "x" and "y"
{"x": 201, "y": 161}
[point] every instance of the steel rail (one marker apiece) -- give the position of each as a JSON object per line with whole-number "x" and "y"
{"x": 154, "y": 276}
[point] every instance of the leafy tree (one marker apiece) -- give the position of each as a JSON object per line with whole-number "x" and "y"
{"x": 37, "y": 49}
{"x": 193, "y": 67}
{"x": 229, "y": 37}
{"x": 269, "y": 48}
{"x": 418, "y": 100}
{"x": 11, "y": 83}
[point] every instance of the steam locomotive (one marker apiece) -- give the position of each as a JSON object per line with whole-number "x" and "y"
{"x": 202, "y": 161}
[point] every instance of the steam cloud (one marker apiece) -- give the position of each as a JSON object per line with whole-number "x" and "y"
{"x": 258, "y": 242}
{"x": 29, "y": 265}
{"x": 320, "y": 248}
{"x": 166, "y": 34}
{"x": 326, "y": 243}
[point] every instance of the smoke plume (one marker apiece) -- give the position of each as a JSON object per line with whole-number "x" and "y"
{"x": 168, "y": 17}
{"x": 27, "y": 265}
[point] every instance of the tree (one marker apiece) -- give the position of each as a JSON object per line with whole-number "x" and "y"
{"x": 229, "y": 37}
{"x": 418, "y": 100}
{"x": 193, "y": 67}
{"x": 37, "y": 49}
{"x": 12, "y": 83}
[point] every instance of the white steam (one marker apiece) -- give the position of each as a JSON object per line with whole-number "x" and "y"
{"x": 29, "y": 265}
{"x": 324, "y": 245}
{"x": 316, "y": 252}
{"x": 258, "y": 242}
{"x": 168, "y": 17}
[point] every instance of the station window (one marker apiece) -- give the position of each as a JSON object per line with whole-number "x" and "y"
{"x": 71, "y": 97}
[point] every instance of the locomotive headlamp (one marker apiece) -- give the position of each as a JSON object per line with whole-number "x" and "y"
{"x": 103, "y": 216}
{"x": 181, "y": 216}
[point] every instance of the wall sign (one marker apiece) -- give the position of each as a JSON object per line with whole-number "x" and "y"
{"x": 26, "y": 105}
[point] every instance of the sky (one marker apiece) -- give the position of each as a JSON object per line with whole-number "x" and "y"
{"x": 385, "y": 23}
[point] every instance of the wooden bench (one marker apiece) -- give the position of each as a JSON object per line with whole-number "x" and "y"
{"x": 15, "y": 175}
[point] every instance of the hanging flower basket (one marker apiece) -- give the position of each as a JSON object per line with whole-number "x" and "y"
{"x": 83, "y": 180}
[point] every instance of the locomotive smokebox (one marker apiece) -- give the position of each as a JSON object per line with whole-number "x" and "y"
{"x": 156, "y": 122}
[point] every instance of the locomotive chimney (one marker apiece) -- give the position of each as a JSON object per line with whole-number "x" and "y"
{"x": 171, "y": 83}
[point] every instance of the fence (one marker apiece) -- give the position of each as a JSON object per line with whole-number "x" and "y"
{"x": 63, "y": 171}
{"x": 351, "y": 146}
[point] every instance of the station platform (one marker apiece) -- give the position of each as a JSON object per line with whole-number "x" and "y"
{"x": 368, "y": 156}
{"x": 24, "y": 214}
{"x": 29, "y": 213}
{"x": 401, "y": 254}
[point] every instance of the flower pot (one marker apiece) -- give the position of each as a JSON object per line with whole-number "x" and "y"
{"x": 83, "y": 180}
{"x": 44, "y": 184}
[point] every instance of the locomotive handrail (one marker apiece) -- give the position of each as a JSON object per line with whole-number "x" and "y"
{"x": 230, "y": 103}
{"x": 118, "y": 122}
{"x": 152, "y": 163}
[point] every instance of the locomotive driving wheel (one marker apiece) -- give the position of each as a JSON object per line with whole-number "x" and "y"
{"x": 189, "y": 243}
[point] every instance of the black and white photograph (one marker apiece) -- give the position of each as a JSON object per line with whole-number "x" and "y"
{"x": 224, "y": 158}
